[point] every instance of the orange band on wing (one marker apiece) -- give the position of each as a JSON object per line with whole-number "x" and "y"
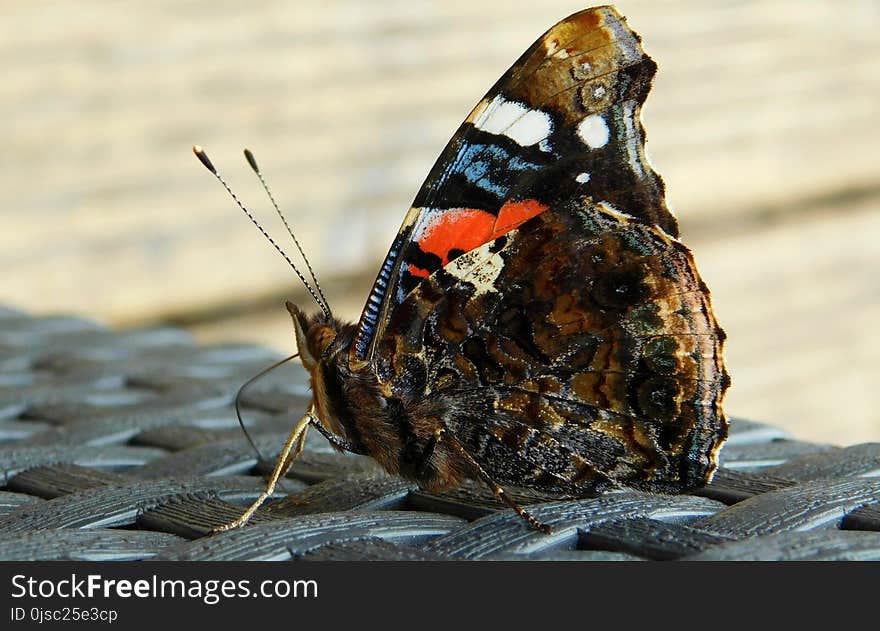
{"x": 465, "y": 229}
{"x": 512, "y": 214}
{"x": 456, "y": 229}
{"x": 418, "y": 271}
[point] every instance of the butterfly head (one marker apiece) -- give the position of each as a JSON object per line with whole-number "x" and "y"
{"x": 314, "y": 335}
{"x": 319, "y": 343}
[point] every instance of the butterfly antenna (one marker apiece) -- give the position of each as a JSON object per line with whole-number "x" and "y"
{"x": 241, "y": 390}
{"x": 252, "y": 161}
{"x": 203, "y": 158}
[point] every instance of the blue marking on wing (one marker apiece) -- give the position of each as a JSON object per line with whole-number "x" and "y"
{"x": 495, "y": 170}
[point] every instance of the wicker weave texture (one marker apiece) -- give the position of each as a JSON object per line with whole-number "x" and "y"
{"x": 124, "y": 446}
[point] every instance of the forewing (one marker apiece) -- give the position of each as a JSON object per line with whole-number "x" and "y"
{"x": 573, "y": 100}
{"x": 574, "y": 352}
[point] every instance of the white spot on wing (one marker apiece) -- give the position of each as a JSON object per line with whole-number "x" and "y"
{"x": 532, "y": 128}
{"x": 514, "y": 120}
{"x": 582, "y": 178}
{"x": 593, "y": 130}
{"x": 479, "y": 267}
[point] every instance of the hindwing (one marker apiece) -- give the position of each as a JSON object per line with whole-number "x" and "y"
{"x": 576, "y": 351}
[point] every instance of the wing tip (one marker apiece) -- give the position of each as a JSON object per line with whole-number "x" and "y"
{"x": 604, "y": 17}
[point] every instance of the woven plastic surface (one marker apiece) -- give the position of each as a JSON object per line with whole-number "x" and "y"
{"x": 124, "y": 445}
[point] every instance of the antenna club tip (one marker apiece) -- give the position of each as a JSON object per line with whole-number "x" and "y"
{"x": 251, "y": 160}
{"x": 203, "y": 158}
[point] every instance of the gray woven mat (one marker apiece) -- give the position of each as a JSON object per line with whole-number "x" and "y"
{"x": 124, "y": 445}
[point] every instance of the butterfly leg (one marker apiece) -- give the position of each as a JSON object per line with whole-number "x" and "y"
{"x": 292, "y": 448}
{"x": 443, "y": 434}
{"x": 425, "y": 457}
{"x": 338, "y": 441}
{"x": 300, "y": 445}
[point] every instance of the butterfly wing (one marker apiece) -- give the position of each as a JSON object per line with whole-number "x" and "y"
{"x": 565, "y": 119}
{"x": 536, "y": 298}
{"x": 576, "y": 351}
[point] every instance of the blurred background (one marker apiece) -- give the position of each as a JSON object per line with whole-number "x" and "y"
{"x": 763, "y": 122}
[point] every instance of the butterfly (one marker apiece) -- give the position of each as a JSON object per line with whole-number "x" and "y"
{"x": 537, "y": 321}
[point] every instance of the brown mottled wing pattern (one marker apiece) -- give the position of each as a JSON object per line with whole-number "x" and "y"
{"x": 576, "y": 352}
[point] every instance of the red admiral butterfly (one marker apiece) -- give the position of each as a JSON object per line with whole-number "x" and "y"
{"x": 536, "y": 321}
